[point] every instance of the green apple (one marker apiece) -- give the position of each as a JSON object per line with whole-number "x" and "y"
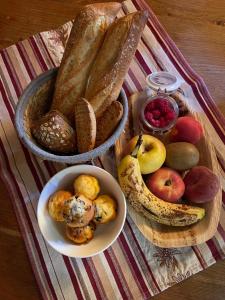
{"x": 151, "y": 154}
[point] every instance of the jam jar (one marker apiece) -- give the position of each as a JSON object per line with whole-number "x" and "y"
{"x": 159, "y": 112}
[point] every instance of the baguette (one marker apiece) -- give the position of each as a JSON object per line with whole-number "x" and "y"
{"x": 83, "y": 44}
{"x": 107, "y": 123}
{"x": 113, "y": 60}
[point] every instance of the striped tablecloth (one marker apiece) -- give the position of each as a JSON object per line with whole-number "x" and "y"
{"x": 132, "y": 268}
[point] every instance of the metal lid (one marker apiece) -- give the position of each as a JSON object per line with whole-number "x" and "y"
{"x": 163, "y": 81}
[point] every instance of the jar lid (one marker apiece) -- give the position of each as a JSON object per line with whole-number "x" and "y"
{"x": 163, "y": 82}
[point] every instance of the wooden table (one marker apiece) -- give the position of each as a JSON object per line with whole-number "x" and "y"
{"x": 198, "y": 29}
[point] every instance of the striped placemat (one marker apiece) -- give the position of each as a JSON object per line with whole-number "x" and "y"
{"x": 132, "y": 268}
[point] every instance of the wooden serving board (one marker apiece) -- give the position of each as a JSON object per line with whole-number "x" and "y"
{"x": 168, "y": 236}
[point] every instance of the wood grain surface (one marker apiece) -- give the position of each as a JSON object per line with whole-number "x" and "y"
{"x": 198, "y": 29}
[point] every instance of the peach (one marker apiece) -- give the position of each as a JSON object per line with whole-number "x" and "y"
{"x": 186, "y": 129}
{"x": 201, "y": 185}
{"x": 166, "y": 184}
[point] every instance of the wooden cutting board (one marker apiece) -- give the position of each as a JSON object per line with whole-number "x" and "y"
{"x": 168, "y": 236}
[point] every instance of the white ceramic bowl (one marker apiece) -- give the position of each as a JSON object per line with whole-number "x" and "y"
{"x": 54, "y": 232}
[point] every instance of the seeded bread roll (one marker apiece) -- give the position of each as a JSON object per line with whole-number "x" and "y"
{"x": 54, "y": 132}
{"x": 84, "y": 42}
{"x": 113, "y": 60}
{"x": 106, "y": 124}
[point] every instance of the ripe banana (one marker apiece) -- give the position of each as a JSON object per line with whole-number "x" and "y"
{"x": 143, "y": 201}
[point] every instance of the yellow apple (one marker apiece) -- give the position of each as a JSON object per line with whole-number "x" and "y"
{"x": 151, "y": 154}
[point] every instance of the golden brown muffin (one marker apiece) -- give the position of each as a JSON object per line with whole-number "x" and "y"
{"x": 55, "y": 204}
{"x": 105, "y": 209}
{"x": 81, "y": 235}
{"x": 87, "y": 185}
{"x": 78, "y": 211}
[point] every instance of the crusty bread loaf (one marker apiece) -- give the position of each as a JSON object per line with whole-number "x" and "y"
{"x": 84, "y": 42}
{"x": 107, "y": 122}
{"x": 85, "y": 123}
{"x": 54, "y": 132}
{"x": 113, "y": 60}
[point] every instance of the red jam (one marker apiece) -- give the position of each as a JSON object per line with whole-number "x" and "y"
{"x": 159, "y": 113}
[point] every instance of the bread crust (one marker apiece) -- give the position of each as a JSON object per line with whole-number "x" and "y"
{"x": 107, "y": 123}
{"x": 83, "y": 44}
{"x": 113, "y": 60}
{"x": 85, "y": 124}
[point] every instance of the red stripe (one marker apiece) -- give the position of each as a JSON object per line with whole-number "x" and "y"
{"x": 126, "y": 89}
{"x": 133, "y": 265}
{"x": 73, "y": 278}
{"x": 222, "y": 163}
{"x": 199, "y": 257}
{"x": 213, "y": 250}
{"x": 143, "y": 256}
{"x": 152, "y": 54}
{"x": 142, "y": 62}
{"x": 37, "y": 53}
{"x": 26, "y": 153}
{"x": 135, "y": 81}
{"x": 96, "y": 277}
{"x": 221, "y": 231}
{"x": 92, "y": 280}
{"x": 50, "y": 168}
{"x": 26, "y": 60}
{"x": 208, "y": 112}
{"x": 12, "y": 73}
{"x": 46, "y": 49}
{"x": 117, "y": 277}
{"x": 20, "y": 196}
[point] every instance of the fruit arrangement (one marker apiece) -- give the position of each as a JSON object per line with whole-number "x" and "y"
{"x": 82, "y": 211}
{"x": 162, "y": 178}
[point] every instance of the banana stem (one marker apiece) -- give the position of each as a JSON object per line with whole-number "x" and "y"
{"x": 137, "y": 147}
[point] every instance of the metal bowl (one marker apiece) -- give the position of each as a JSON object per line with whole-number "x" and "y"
{"x": 35, "y": 102}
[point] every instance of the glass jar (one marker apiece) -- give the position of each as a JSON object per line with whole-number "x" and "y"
{"x": 158, "y": 114}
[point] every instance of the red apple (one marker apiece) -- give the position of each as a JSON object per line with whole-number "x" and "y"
{"x": 166, "y": 184}
{"x": 201, "y": 185}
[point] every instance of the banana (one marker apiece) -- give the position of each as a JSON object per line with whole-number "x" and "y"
{"x": 143, "y": 201}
